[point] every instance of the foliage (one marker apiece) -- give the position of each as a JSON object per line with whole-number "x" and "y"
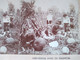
{"x": 11, "y": 8}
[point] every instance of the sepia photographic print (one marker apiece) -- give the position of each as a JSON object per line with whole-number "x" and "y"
{"x": 39, "y": 27}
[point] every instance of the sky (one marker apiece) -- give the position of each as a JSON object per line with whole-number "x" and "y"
{"x": 62, "y": 5}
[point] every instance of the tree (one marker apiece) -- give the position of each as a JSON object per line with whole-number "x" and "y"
{"x": 72, "y": 10}
{"x": 17, "y": 19}
{"x": 27, "y": 9}
{"x": 11, "y": 8}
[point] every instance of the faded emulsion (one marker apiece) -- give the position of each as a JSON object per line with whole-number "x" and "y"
{"x": 31, "y": 30}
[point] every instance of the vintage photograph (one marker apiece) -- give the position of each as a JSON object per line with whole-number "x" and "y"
{"x": 39, "y": 27}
